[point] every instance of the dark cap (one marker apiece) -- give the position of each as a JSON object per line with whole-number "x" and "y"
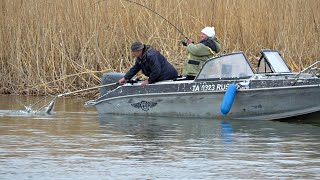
{"x": 136, "y": 46}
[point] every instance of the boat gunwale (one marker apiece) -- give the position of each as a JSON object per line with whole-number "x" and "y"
{"x": 205, "y": 92}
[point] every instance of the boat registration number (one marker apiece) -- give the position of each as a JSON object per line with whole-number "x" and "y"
{"x": 210, "y": 87}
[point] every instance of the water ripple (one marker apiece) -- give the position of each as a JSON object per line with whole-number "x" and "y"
{"x": 83, "y": 145}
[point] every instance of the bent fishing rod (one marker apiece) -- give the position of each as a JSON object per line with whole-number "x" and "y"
{"x": 155, "y": 13}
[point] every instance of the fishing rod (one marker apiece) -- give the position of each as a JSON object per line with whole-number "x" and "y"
{"x": 155, "y": 13}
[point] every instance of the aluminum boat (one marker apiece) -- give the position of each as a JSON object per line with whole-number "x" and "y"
{"x": 226, "y": 87}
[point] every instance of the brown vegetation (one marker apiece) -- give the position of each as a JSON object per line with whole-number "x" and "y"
{"x": 54, "y": 46}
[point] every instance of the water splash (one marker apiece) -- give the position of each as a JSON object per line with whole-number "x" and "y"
{"x": 29, "y": 111}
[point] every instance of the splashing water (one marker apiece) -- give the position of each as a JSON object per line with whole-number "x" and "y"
{"x": 31, "y": 109}
{"x": 28, "y": 109}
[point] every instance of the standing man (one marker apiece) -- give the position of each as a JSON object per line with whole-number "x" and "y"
{"x": 199, "y": 53}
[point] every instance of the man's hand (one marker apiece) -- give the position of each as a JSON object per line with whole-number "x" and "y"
{"x": 122, "y": 81}
{"x": 189, "y": 41}
{"x": 186, "y": 41}
{"x": 145, "y": 82}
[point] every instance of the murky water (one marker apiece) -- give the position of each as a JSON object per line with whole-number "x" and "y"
{"x": 76, "y": 143}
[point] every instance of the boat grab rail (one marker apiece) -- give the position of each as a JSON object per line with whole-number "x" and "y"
{"x": 311, "y": 67}
{"x": 312, "y": 70}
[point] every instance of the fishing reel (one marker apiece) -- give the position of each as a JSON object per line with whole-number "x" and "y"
{"x": 184, "y": 42}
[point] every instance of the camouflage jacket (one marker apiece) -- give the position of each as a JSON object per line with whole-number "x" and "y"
{"x": 198, "y": 54}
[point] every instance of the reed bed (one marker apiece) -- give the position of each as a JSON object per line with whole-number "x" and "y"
{"x": 55, "y": 46}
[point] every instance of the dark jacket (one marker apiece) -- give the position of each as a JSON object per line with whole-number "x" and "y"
{"x": 154, "y": 65}
{"x": 212, "y": 43}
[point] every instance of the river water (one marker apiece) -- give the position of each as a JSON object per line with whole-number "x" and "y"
{"x": 76, "y": 143}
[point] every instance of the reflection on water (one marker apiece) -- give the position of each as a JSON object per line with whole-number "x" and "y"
{"x": 77, "y": 143}
{"x": 226, "y": 132}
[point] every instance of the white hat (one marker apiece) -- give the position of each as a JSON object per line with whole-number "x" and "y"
{"x": 209, "y": 31}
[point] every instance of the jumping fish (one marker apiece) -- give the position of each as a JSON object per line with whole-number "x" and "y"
{"x": 49, "y": 108}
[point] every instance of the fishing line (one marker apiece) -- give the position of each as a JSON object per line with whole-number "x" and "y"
{"x": 31, "y": 105}
{"x": 153, "y": 12}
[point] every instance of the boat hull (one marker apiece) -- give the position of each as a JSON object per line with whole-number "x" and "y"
{"x": 249, "y": 104}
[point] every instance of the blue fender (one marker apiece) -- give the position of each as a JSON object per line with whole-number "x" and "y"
{"x": 228, "y": 99}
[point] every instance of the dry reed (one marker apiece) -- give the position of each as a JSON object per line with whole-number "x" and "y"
{"x": 54, "y": 46}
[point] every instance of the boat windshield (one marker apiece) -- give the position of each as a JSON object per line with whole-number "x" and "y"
{"x": 229, "y": 66}
{"x": 275, "y": 62}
